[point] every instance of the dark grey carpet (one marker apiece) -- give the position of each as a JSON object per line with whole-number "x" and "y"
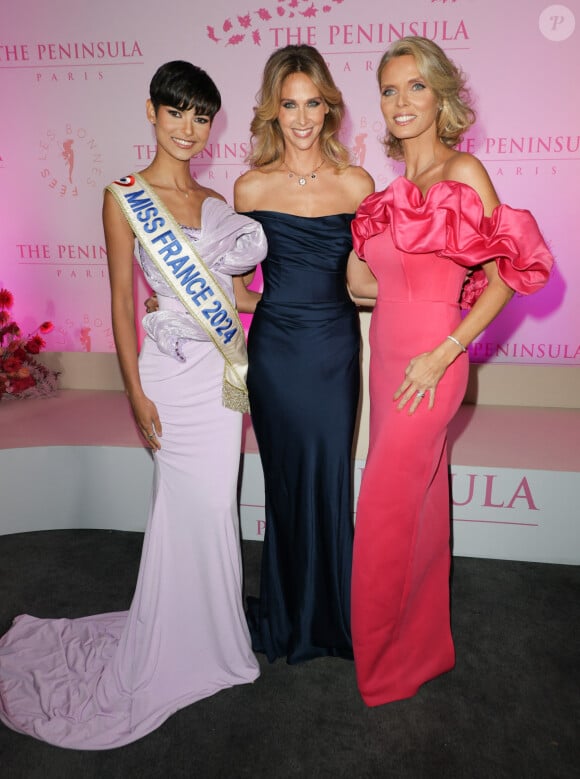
{"x": 511, "y": 708}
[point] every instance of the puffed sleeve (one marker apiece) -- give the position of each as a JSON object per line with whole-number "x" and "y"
{"x": 231, "y": 243}
{"x": 371, "y": 218}
{"x": 509, "y": 236}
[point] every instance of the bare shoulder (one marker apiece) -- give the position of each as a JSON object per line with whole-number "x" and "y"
{"x": 467, "y": 169}
{"x": 361, "y": 178}
{"x": 464, "y": 167}
{"x": 247, "y": 181}
{"x": 359, "y": 182}
{"x": 119, "y": 236}
{"x": 113, "y": 217}
{"x": 249, "y": 189}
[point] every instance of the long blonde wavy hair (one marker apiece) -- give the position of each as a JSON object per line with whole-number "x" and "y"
{"x": 447, "y": 82}
{"x": 267, "y": 141}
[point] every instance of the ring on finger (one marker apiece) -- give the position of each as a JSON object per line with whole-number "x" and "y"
{"x": 420, "y": 394}
{"x": 151, "y": 435}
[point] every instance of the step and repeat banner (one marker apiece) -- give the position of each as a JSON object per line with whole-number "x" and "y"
{"x": 503, "y": 513}
{"x": 74, "y": 79}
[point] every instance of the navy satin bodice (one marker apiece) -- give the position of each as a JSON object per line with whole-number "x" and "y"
{"x": 307, "y": 256}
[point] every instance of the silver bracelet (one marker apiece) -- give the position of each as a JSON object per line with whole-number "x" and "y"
{"x": 455, "y": 341}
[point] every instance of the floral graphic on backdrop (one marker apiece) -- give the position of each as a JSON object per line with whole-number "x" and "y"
{"x": 21, "y": 374}
{"x": 236, "y": 29}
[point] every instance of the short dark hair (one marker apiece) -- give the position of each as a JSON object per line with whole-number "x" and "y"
{"x": 184, "y": 86}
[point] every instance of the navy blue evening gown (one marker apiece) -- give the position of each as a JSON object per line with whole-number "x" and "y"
{"x": 303, "y": 382}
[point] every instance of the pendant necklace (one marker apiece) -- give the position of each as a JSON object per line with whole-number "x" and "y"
{"x": 303, "y": 179}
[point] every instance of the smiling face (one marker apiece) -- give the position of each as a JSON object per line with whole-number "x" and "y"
{"x": 302, "y": 111}
{"x": 408, "y": 103}
{"x": 180, "y": 134}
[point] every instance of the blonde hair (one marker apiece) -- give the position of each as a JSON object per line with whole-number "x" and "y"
{"x": 267, "y": 138}
{"x": 447, "y": 82}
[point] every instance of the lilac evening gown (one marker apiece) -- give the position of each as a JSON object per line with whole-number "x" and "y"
{"x": 103, "y": 681}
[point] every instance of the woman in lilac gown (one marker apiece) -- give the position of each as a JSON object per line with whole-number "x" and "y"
{"x": 106, "y": 680}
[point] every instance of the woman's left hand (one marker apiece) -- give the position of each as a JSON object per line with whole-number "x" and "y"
{"x": 421, "y": 377}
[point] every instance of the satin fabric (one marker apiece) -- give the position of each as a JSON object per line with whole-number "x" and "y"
{"x": 419, "y": 249}
{"x": 106, "y": 680}
{"x": 303, "y": 380}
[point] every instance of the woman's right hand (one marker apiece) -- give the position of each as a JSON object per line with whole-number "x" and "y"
{"x": 147, "y": 419}
{"x": 152, "y": 304}
{"x": 246, "y": 299}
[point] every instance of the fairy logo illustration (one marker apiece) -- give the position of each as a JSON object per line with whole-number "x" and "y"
{"x": 69, "y": 157}
{"x": 359, "y": 149}
{"x": 71, "y": 160}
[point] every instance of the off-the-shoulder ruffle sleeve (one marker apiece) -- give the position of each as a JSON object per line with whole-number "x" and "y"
{"x": 450, "y": 222}
{"x": 230, "y": 242}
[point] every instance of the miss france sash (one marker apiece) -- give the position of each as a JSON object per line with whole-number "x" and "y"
{"x": 184, "y": 271}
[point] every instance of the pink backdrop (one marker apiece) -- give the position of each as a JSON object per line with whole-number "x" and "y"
{"x": 74, "y": 78}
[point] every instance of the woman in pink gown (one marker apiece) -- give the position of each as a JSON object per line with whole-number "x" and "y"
{"x": 436, "y": 235}
{"x": 103, "y": 681}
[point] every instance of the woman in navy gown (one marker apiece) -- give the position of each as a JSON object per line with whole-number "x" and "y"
{"x": 303, "y": 350}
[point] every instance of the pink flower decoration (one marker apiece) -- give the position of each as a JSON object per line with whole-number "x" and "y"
{"x": 6, "y": 298}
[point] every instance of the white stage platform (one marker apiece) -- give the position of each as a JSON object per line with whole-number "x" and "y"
{"x": 77, "y": 461}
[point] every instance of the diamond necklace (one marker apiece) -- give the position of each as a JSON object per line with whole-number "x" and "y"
{"x": 303, "y": 179}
